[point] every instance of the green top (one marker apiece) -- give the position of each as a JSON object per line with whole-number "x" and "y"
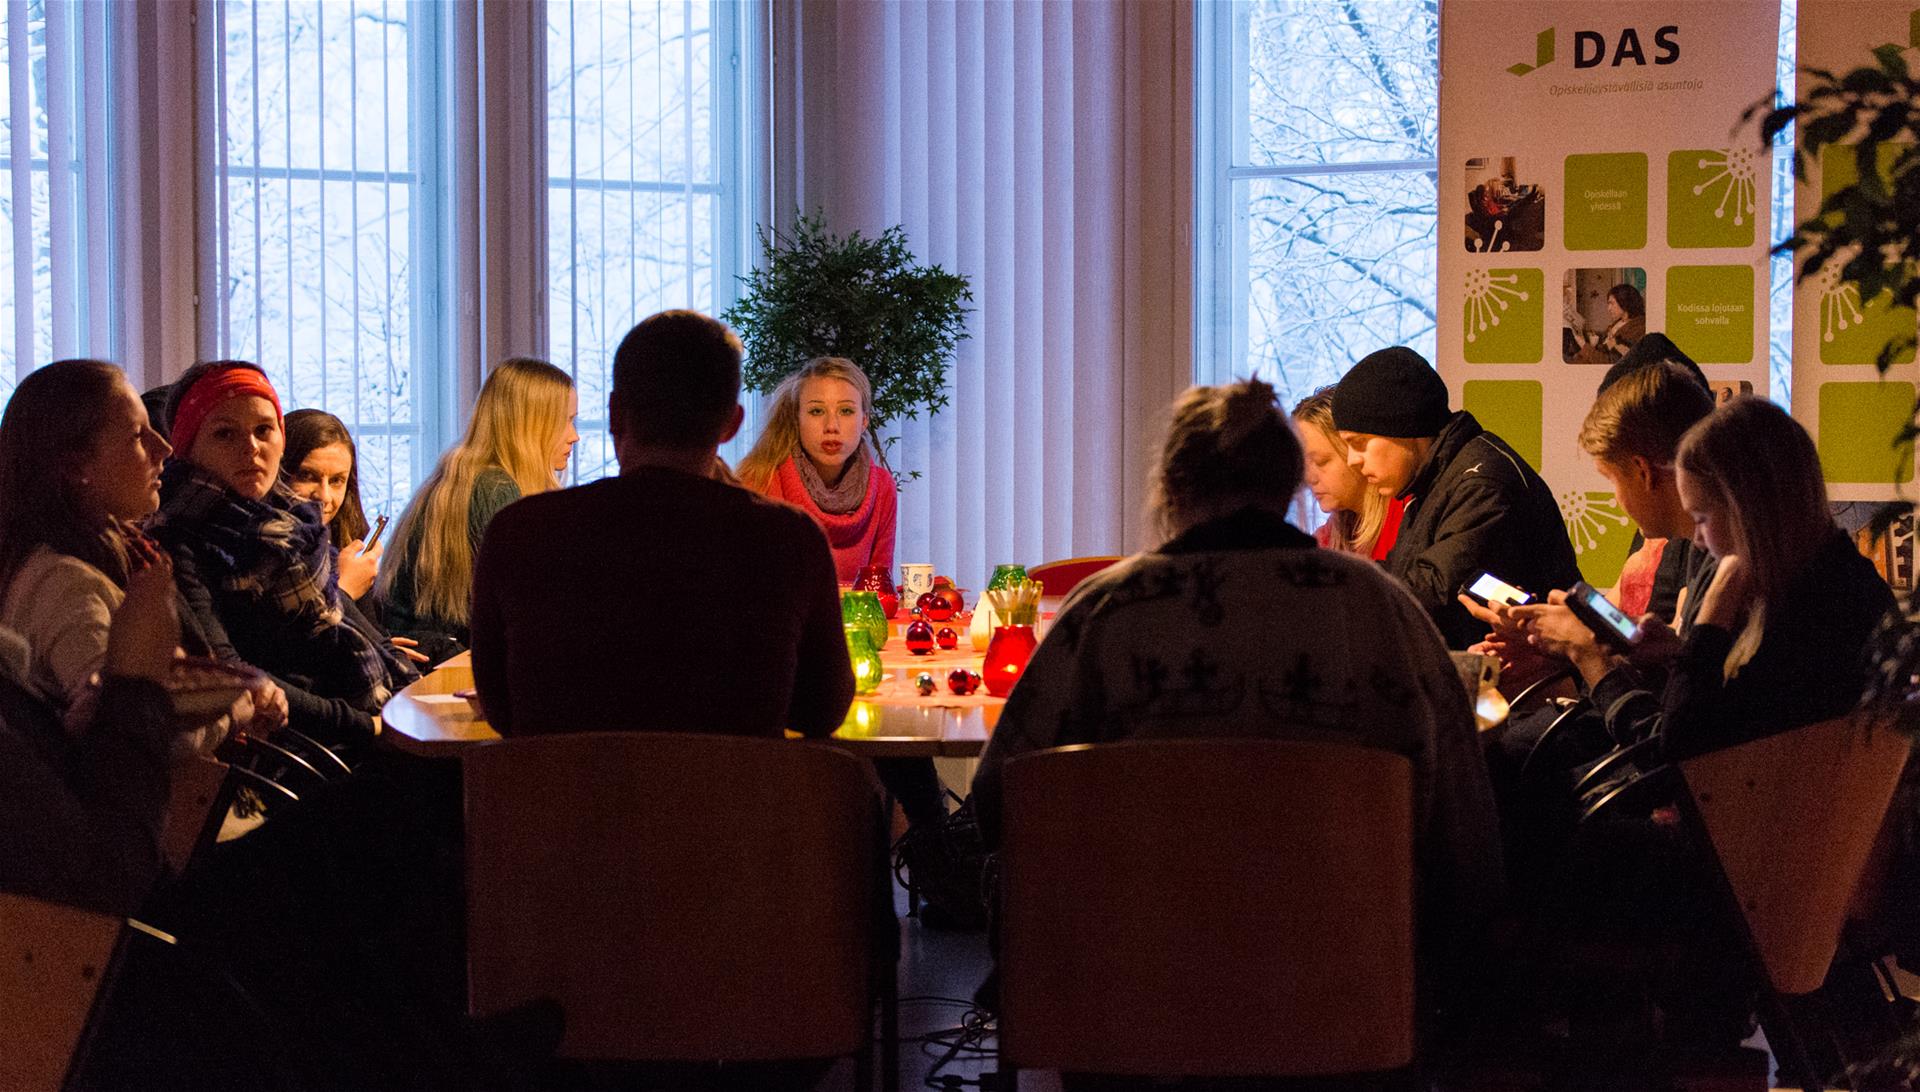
{"x": 493, "y": 490}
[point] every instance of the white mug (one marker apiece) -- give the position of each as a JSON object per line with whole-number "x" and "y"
{"x": 915, "y": 581}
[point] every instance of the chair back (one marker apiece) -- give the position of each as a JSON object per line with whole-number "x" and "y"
{"x": 1061, "y": 577}
{"x": 53, "y": 961}
{"x": 683, "y": 897}
{"x": 1793, "y": 818}
{"x": 190, "y": 821}
{"x": 1208, "y": 908}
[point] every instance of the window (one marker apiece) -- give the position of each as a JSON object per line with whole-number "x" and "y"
{"x": 322, "y": 202}
{"x": 54, "y": 200}
{"x": 1318, "y": 126}
{"x": 646, "y": 205}
{"x": 1320, "y": 119}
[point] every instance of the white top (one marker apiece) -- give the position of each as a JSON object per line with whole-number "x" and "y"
{"x": 62, "y": 607}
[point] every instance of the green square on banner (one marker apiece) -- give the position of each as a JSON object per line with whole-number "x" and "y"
{"x": 1714, "y": 196}
{"x": 1606, "y": 201}
{"x": 1512, "y": 409}
{"x": 1852, "y": 330}
{"x": 1710, "y": 312}
{"x": 1601, "y": 533}
{"x": 1858, "y": 423}
{"x": 1505, "y": 315}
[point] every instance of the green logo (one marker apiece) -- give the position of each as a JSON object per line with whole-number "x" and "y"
{"x": 1601, "y": 533}
{"x": 1543, "y": 51}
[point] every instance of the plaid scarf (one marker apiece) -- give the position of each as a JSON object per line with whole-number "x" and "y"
{"x": 269, "y": 565}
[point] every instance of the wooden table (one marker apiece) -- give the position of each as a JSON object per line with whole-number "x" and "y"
{"x": 427, "y": 719}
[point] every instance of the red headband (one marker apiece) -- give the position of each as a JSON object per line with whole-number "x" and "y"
{"x": 209, "y": 391}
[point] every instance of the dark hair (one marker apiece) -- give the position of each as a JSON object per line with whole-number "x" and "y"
{"x": 1653, "y": 349}
{"x": 307, "y": 431}
{"x": 1645, "y": 414}
{"x": 1229, "y": 444}
{"x": 676, "y": 380}
{"x": 51, "y": 426}
{"x": 177, "y": 393}
{"x": 1629, "y": 299}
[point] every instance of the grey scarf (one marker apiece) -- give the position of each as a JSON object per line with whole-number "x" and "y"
{"x": 840, "y": 499}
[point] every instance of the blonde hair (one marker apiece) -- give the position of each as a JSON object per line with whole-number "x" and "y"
{"x": 1761, "y": 467}
{"x": 517, "y": 422}
{"x": 1228, "y": 446}
{"x": 781, "y": 436}
{"x": 1352, "y": 532}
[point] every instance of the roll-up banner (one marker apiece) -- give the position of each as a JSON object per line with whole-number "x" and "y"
{"x": 1597, "y": 183}
{"x": 1838, "y": 337}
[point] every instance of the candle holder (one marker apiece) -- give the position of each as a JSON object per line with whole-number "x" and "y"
{"x": 868, "y": 673}
{"x": 1007, "y": 656}
{"x": 863, "y": 608}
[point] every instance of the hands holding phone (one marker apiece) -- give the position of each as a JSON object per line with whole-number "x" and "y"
{"x": 359, "y": 565}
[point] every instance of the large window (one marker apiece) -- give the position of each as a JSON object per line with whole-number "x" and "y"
{"x": 54, "y": 179}
{"x": 1318, "y": 126}
{"x": 321, "y": 197}
{"x": 646, "y": 205}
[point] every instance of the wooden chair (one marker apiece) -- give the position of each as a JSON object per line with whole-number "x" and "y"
{"x": 1061, "y": 577}
{"x": 54, "y": 962}
{"x": 683, "y": 897}
{"x": 1208, "y": 908}
{"x": 1792, "y": 820}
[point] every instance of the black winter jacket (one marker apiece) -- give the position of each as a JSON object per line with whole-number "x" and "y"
{"x": 1476, "y": 506}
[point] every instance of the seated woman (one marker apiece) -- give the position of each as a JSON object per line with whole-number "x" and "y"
{"x": 79, "y": 468}
{"x": 1359, "y": 520}
{"x": 1777, "y": 635}
{"x": 322, "y": 465}
{"x": 255, "y": 559}
{"x": 814, "y": 454}
{"x": 517, "y": 444}
{"x": 1290, "y": 642}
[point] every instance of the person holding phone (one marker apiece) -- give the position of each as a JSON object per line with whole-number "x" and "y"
{"x": 322, "y": 465}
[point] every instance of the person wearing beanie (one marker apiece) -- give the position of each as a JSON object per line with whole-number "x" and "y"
{"x": 1472, "y": 504}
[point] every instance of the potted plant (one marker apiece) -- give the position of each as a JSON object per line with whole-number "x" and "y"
{"x": 869, "y": 300}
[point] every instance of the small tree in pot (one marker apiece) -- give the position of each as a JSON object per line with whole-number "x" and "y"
{"x": 868, "y": 300}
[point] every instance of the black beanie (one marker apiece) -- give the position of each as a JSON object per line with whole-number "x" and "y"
{"x": 1392, "y": 392}
{"x": 1651, "y": 349}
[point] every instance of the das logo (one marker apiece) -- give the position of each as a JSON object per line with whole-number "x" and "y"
{"x": 1592, "y": 48}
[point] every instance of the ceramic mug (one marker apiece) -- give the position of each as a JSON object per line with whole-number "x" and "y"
{"x": 915, "y": 581}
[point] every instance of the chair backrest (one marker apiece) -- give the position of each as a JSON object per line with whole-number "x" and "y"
{"x": 681, "y": 896}
{"x": 53, "y": 962}
{"x": 1061, "y": 577}
{"x": 1208, "y": 908}
{"x": 189, "y": 822}
{"x": 1793, "y": 818}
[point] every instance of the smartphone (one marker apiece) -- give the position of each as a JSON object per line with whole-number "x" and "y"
{"x": 379, "y": 528}
{"x": 1489, "y": 589}
{"x": 1609, "y": 623}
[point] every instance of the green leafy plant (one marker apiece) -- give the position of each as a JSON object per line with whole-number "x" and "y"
{"x": 868, "y": 300}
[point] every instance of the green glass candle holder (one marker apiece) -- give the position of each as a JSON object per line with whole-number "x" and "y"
{"x": 867, "y": 670}
{"x": 863, "y": 608}
{"x": 1005, "y": 576}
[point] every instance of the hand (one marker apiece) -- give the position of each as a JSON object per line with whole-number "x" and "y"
{"x": 1658, "y": 644}
{"x": 1520, "y": 666}
{"x": 410, "y": 648}
{"x": 146, "y": 629}
{"x": 1497, "y": 616}
{"x": 1552, "y": 628}
{"x": 1729, "y": 597}
{"x": 358, "y": 567}
{"x": 269, "y": 710}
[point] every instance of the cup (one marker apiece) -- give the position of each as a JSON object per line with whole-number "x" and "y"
{"x": 915, "y": 581}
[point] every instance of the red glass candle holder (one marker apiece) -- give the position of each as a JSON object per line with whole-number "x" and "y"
{"x": 1007, "y": 656}
{"x": 879, "y": 580}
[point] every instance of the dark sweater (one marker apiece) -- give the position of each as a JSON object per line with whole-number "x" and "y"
{"x": 401, "y": 613}
{"x": 80, "y": 818}
{"x": 1475, "y": 507}
{"x": 658, "y": 601}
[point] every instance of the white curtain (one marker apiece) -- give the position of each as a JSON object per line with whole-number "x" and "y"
{"x": 1044, "y": 151}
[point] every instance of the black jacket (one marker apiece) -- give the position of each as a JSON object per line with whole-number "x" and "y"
{"x": 1474, "y": 507}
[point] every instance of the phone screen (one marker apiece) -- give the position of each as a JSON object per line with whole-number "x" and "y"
{"x": 1614, "y": 616}
{"x": 1491, "y": 589}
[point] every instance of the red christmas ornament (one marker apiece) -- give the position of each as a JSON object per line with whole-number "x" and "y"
{"x": 889, "y": 603}
{"x": 954, "y": 599}
{"x": 961, "y": 681}
{"x": 935, "y": 606}
{"x": 919, "y": 638}
{"x": 947, "y": 638}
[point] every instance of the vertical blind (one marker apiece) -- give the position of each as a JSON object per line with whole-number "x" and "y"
{"x": 324, "y": 248}
{"x": 57, "y": 200}
{"x": 644, "y": 210}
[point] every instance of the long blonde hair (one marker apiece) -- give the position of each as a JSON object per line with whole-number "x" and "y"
{"x": 1759, "y": 465}
{"x": 781, "y": 436}
{"x": 1352, "y": 532}
{"x": 517, "y": 422}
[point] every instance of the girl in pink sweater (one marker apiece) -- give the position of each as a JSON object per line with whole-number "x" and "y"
{"x": 814, "y": 454}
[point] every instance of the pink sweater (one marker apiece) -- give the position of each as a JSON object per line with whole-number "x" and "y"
{"x": 859, "y": 538}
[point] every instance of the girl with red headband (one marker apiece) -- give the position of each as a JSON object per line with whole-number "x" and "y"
{"x": 257, "y": 559}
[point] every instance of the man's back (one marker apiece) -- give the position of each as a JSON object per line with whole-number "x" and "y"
{"x": 658, "y": 601}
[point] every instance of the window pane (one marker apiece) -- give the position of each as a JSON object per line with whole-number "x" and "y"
{"x": 319, "y": 193}
{"x": 1335, "y": 266}
{"x": 639, "y": 200}
{"x": 1339, "y": 81}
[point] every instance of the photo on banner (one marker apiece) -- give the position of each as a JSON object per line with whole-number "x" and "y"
{"x": 1603, "y": 162}
{"x": 1853, "y": 411}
